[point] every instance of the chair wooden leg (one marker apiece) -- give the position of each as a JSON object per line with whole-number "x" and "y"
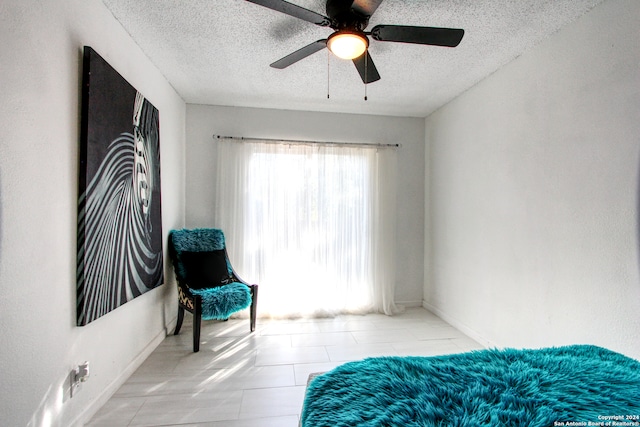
{"x": 180, "y": 319}
{"x": 254, "y": 308}
{"x": 197, "y": 318}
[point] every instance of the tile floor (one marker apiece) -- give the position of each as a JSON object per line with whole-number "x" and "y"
{"x": 240, "y": 379}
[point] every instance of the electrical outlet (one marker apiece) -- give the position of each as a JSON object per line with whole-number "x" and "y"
{"x": 82, "y": 372}
{"x": 78, "y": 375}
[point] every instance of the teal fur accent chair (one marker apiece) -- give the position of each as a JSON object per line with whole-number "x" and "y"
{"x": 208, "y": 286}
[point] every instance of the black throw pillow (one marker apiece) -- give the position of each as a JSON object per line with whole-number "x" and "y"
{"x": 205, "y": 269}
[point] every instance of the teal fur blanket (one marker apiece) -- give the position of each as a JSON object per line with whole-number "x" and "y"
{"x": 566, "y": 386}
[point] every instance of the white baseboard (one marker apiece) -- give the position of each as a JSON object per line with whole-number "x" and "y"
{"x": 470, "y": 332}
{"x": 110, "y": 390}
{"x": 409, "y": 304}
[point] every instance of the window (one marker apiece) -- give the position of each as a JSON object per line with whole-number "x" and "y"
{"x": 306, "y": 222}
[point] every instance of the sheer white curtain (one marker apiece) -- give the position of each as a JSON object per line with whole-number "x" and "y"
{"x": 313, "y": 225}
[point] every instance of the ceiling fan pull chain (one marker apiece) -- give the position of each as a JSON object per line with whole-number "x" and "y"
{"x": 328, "y": 69}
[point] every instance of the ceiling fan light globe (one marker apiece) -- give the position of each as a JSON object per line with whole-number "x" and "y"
{"x": 347, "y": 45}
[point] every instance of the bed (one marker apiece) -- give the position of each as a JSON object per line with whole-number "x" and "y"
{"x": 576, "y": 385}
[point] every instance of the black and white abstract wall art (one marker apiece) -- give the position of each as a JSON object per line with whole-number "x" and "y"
{"x": 119, "y": 207}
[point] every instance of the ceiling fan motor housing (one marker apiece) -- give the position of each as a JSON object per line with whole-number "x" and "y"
{"x": 344, "y": 17}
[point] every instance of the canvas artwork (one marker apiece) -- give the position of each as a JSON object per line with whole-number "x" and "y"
{"x": 119, "y": 206}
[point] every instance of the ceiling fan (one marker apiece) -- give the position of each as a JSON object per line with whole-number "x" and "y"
{"x": 349, "y": 19}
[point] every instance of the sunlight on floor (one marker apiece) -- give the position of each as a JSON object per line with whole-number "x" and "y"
{"x": 240, "y": 379}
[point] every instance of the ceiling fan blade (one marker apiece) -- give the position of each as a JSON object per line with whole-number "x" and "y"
{"x": 367, "y": 69}
{"x": 295, "y": 11}
{"x": 299, "y": 54}
{"x": 449, "y": 37}
{"x": 365, "y": 7}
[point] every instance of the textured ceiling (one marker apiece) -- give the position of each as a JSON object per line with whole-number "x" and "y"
{"x": 218, "y": 51}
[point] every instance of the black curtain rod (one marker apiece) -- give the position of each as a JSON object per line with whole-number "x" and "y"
{"x": 291, "y": 141}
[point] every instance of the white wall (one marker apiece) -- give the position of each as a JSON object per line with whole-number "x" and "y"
{"x": 205, "y": 121}
{"x": 534, "y": 189}
{"x": 41, "y": 71}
